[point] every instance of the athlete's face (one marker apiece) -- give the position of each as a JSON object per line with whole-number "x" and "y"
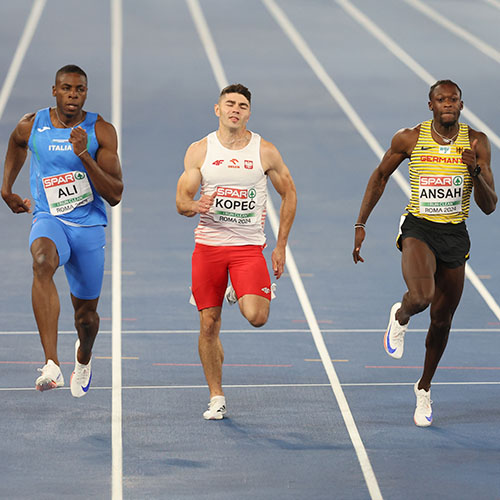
{"x": 446, "y": 104}
{"x": 233, "y": 111}
{"x": 70, "y": 92}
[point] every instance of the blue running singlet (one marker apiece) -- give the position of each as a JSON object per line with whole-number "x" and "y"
{"x": 60, "y": 185}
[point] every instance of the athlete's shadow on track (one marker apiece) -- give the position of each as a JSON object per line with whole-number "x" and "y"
{"x": 272, "y": 436}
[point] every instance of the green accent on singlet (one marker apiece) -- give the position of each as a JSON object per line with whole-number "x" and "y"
{"x": 35, "y": 146}
{"x": 441, "y": 185}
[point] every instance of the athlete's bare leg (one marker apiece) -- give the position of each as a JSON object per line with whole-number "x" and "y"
{"x": 87, "y": 326}
{"x": 44, "y": 296}
{"x": 210, "y": 349}
{"x": 449, "y": 287}
{"x": 255, "y": 309}
{"x": 419, "y": 266}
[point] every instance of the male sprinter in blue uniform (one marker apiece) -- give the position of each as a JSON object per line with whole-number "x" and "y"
{"x": 74, "y": 166}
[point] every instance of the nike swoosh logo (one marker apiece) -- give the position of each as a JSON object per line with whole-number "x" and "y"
{"x": 429, "y": 419}
{"x": 425, "y": 148}
{"x": 43, "y": 129}
{"x": 389, "y": 347}
{"x": 86, "y": 388}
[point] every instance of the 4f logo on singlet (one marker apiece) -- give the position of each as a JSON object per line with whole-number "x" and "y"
{"x": 234, "y": 163}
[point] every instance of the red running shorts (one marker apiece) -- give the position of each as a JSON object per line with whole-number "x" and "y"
{"x": 210, "y": 266}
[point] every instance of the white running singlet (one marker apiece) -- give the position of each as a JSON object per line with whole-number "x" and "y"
{"x": 238, "y": 214}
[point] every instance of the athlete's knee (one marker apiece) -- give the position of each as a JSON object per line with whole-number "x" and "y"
{"x": 44, "y": 264}
{"x": 209, "y": 323}
{"x": 441, "y": 325}
{"x": 87, "y": 320}
{"x": 421, "y": 300}
{"x": 257, "y": 317}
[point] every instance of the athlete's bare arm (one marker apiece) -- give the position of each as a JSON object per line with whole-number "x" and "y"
{"x": 278, "y": 173}
{"x": 402, "y": 145}
{"x": 105, "y": 171}
{"x": 190, "y": 180}
{"x": 484, "y": 185}
{"x": 14, "y": 161}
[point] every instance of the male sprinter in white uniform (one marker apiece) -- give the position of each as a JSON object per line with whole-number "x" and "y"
{"x": 74, "y": 165}
{"x": 232, "y": 166}
{"x": 448, "y": 160}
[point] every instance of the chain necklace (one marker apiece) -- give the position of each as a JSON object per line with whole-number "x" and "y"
{"x": 67, "y": 126}
{"x": 447, "y": 140}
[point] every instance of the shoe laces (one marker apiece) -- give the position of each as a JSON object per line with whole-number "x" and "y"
{"x": 424, "y": 399}
{"x": 216, "y": 404}
{"x": 82, "y": 372}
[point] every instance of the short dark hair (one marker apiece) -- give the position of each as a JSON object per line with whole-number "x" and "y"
{"x": 444, "y": 82}
{"x": 71, "y": 68}
{"x": 237, "y": 88}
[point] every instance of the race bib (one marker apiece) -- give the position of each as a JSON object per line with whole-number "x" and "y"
{"x": 67, "y": 191}
{"x": 236, "y": 206}
{"x": 440, "y": 194}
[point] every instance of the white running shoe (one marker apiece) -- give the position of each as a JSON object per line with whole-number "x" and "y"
{"x": 423, "y": 411}
{"x": 230, "y": 295}
{"x": 50, "y": 378}
{"x": 216, "y": 408}
{"x": 81, "y": 376}
{"x": 394, "y": 338}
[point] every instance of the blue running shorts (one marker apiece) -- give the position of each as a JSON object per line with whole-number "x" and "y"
{"x": 80, "y": 250}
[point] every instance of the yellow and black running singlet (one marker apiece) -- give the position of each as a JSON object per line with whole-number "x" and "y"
{"x": 440, "y": 182}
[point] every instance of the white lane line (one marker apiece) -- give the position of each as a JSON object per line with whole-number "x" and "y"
{"x": 459, "y": 31}
{"x": 116, "y": 264}
{"x": 24, "y": 42}
{"x": 366, "y": 468}
{"x": 494, "y": 3}
{"x": 261, "y": 330}
{"x": 299, "y": 43}
{"x": 413, "y": 65}
{"x": 207, "y": 42}
{"x": 258, "y": 386}
{"x": 423, "y": 74}
{"x": 339, "y": 97}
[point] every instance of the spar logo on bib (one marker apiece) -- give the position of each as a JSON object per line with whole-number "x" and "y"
{"x": 228, "y": 192}
{"x": 61, "y": 180}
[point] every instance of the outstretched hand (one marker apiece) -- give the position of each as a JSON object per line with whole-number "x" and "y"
{"x": 278, "y": 258}
{"x": 359, "y": 236}
{"x": 17, "y": 204}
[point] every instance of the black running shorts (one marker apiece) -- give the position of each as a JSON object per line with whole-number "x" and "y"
{"x": 450, "y": 243}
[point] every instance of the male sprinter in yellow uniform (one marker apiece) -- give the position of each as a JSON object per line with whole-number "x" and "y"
{"x": 448, "y": 160}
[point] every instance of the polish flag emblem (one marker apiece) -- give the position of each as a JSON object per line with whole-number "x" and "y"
{"x": 248, "y": 164}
